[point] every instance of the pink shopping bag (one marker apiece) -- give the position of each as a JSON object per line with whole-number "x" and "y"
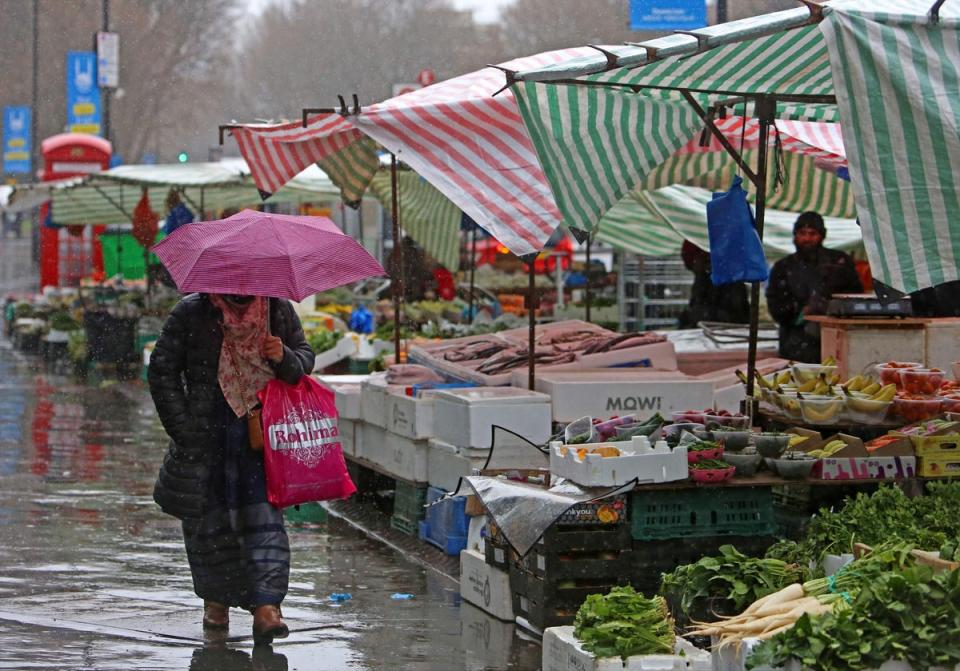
{"x": 302, "y": 454}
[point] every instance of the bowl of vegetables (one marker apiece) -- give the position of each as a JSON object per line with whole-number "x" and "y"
{"x": 925, "y": 381}
{"x": 711, "y": 471}
{"x": 889, "y": 372}
{"x": 703, "y": 450}
{"x": 733, "y": 440}
{"x": 915, "y": 407}
{"x": 725, "y": 418}
{"x": 672, "y": 432}
{"x": 793, "y": 465}
{"x": 771, "y": 445}
{"x": 746, "y": 462}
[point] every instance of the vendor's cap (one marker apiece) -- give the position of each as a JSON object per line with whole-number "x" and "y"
{"x": 811, "y": 220}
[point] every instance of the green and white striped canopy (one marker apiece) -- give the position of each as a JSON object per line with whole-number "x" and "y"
{"x": 898, "y": 88}
{"x": 426, "y": 215}
{"x": 655, "y": 223}
{"x": 893, "y": 72}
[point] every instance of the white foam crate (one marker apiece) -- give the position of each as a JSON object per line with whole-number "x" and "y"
{"x": 734, "y": 658}
{"x": 398, "y": 456}
{"x": 373, "y": 398}
{"x": 562, "y": 652}
{"x": 348, "y": 435}
{"x": 485, "y": 586}
{"x": 638, "y": 461}
{"x": 448, "y": 463}
{"x": 465, "y": 417}
{"x": 368, "y": 441}
{"x": 408, "y": 416}
{"x": 347, "y": 398}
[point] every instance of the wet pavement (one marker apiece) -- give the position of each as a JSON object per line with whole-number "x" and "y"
{"x": 93, "y": 576}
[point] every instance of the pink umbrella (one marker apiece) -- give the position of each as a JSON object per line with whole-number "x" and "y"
{"x": 259, "y": 254}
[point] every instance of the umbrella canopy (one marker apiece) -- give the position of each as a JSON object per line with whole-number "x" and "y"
{"x": 259, "y": 254}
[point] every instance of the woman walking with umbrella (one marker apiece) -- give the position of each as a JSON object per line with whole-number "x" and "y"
{"x": 218, "y": 348}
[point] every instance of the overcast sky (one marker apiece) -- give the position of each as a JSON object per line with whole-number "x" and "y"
{"x": 483, "y": 10}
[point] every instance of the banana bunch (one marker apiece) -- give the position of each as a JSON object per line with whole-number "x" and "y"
{"x": 828, "y": 450}
{"x": 796, "y": 440}
{"x": 819, "y": 386}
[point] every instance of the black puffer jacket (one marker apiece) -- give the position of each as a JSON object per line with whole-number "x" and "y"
{"x": 183, "y": 383}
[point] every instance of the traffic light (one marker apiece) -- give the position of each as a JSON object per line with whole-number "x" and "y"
{"x": 183, "y": 157}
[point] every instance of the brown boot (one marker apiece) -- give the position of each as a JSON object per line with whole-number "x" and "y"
{"x": 215, "y": 615}
{"x": 268, "y": 624}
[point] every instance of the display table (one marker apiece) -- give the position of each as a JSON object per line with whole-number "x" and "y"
{"x": 859, "y": 343}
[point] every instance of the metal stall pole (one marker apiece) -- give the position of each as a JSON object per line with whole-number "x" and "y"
{"x": 532, "y": 304}
{"x": 766, "y": 109}
{"x": 473, "y": 270}
{"x": 589, "y": 295}
{"x": 397, "y": 269}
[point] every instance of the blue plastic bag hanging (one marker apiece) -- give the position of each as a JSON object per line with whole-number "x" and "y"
{"x": 736, "y": 253}
{"x": 361, "y": 320}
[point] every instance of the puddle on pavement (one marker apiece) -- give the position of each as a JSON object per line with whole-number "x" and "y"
{"x": 81, "y": 541}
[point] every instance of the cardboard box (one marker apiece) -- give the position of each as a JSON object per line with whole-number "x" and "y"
{"x": 939, "y": 443}
{"x": 893, "y": 461}
{"x": 809, "y": 434}
{"x": 562, "y": 651}
{"x": 939, "y": 466}
{"x": 486, "y": 587}
{"x": 605, "y": 393}
{"x": 408, "y": 416}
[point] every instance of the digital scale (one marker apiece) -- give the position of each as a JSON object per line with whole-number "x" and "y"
{"x": 868, "y": 305}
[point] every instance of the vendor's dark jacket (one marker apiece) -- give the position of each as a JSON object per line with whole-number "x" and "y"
{"x": 183, "y": 383}
{"x": 797, "y": 282}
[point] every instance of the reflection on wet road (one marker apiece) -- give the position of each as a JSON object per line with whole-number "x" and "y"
{"x": 94, "y": 577}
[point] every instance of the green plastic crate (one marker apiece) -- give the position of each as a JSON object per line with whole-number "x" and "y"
{"x": 409, "y": 501}
{"x": 404, "y": 525}
{"x": 665, "y": 514}
{"x": 309, "y": 513}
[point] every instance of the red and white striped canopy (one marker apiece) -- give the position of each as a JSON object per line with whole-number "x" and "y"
{"x": 473, "y": 147}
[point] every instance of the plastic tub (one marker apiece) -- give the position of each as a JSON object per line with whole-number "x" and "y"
{"x": 745, "y": 463}
{"x": 772, "y": 445}
{"x": 674, "y": 431}
{"x": 916, "y": 409}
{"x": 688, "y": 417}
{"x": 733, "y": 440}
{"x": 890, "y": 372}
{"x": 950, "y": 404}
{"x": 956, "y": 370}
{"x": 924, "y": 381}
{"x": 804, "y": 372}
{"x": 733, "y": 421}
{"x": 794, "y": 469}
{"x": 821, "y": 410}
{"x": 864, "y": 410}
{"x": 696, "y": 456}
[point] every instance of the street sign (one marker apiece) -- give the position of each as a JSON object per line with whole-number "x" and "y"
{"x": 83, "y": 96}
{"x": 400, "y": 89}
{"x": 426, "y": 77}
{"x": 667, "y": 14}
{"x": 16, "y": 139}
{"x": 108, "y": 60}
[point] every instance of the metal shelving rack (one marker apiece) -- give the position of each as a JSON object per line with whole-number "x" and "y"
{"x": 652, "y": 291}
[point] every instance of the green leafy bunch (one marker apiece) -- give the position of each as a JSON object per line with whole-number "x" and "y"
{"x": 732, "y": 576}
{"x": 912, "y": 615}
{"x": 925, "y": 521}
{"x": 321, "y": 341}
{"x": 625, "y": 623}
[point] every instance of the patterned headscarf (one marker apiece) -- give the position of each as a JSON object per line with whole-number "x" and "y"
{"x": 242, "y": 370}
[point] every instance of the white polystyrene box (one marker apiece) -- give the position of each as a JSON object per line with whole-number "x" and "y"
{"x": 485, "y": 586}
{"x": 368, "y": 441}
{"x": 466, "y": 417}
{"x": 638, "y": 461}
{"x": 562, "y": 651}
{"x": 609, "y": 393}
{"x": 348, "y": 435}
{"x": 447, "y": 463}
{"x": 403, "y": 457}
{"x": 408, "y": 416}
{"x": 347, "y": 398}
{"x": 373, "y": 398}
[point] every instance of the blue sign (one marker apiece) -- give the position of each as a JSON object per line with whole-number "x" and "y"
{"x": 668, "y": 14}
{"x": 16, "y": 139}
{"x": 83, "y": 95}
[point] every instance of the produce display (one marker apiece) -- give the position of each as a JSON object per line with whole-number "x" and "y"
{"x": 909, "y": 615}
{"x": 624, "y": 623}
{"x": 727, "y": 583}
{"x": 322, "y": 340}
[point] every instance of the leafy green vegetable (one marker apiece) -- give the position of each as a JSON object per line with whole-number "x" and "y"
{"x": 924, "y": 521}
{"x": 624, "y": 623}
{"x": 909, "y": 615}
{"x": 321, "y": 341}
{"x": 710, "y": 465}
{"x": 732, "y": 579}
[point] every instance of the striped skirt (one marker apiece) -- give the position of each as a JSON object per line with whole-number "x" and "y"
{"x": 238, "y": 552}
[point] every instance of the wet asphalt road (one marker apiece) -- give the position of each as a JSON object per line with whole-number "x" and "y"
{"x": 93, "y": 576}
